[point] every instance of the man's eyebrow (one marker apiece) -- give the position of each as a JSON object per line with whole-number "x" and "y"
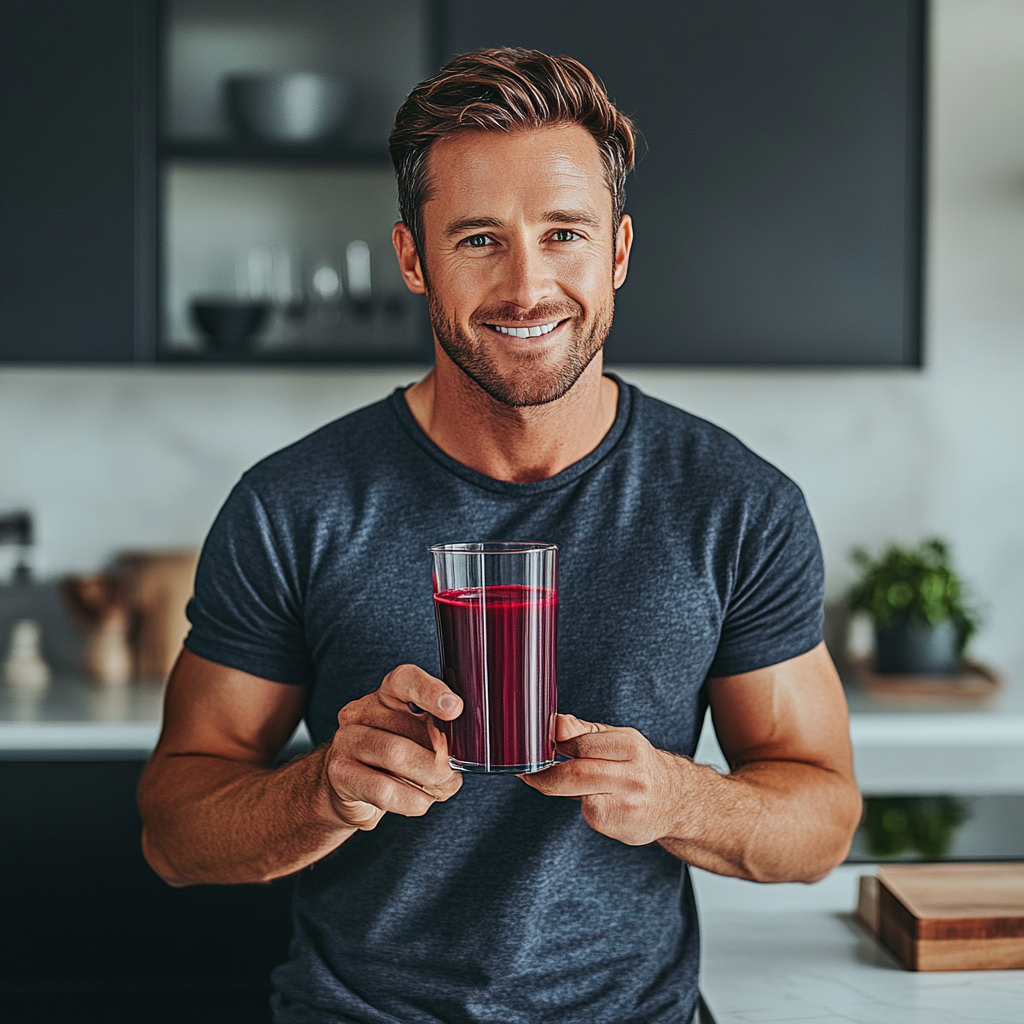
{"x": 551, "y": 217}
{"x": 572, "y": 217}
{"x": 469, "y": 223}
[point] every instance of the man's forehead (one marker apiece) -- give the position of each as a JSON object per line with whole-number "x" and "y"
{"x": 553, "y": 169}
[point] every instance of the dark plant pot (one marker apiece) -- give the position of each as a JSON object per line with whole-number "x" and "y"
{"x": 229, "y": 325}
{"x": 904, "y": 647}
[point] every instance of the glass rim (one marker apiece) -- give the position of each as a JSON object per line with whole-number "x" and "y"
{"x": 492, "y": 547}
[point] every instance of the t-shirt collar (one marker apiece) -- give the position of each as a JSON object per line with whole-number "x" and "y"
{"x": 623, "y": 415}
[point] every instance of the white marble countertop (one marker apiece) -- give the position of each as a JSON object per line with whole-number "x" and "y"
{"x": 75, "y": 720}
{"x": 795, "y": 953}
{"x": 975, "y": 751}
{"x": 72, "y": 718}
{"x": 968, "y": 750}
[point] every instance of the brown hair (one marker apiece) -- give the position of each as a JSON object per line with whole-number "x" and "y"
{"x": 505, "y": 90}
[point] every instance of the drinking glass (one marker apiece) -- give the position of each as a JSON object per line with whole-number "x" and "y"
{"x": 496, "y": 605}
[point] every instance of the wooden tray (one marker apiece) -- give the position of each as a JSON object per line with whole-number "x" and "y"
{"x": 978, "y": 683}
{"x": 950, "y": 917}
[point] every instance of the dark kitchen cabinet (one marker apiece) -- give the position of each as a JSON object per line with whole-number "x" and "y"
{"x": 295, "y": 224}
{"x": 778, "y": 198}
{"x": 90, "y": 935}
{"x": 77, "y": 180}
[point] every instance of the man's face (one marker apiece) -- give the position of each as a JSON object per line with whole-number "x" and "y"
{"x": 522, "y": 257}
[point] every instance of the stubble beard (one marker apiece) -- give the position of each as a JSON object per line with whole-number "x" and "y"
{"x": 528, "y": 382}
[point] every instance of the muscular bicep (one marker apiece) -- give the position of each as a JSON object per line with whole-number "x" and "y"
{"x": 793, "y": 711}
{"x": 215, "y": 710}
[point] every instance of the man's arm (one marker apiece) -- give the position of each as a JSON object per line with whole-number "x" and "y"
{"x": 215, "y": 811}
{"x": 788, "y": 810}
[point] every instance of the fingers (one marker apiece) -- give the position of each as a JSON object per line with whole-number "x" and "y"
{"x": 363, "y": 794}
{"x": 568, "y": 727}
{"x": 409, "y": 684}
{"x": 388, "y": 754}
{"x": 602, "y": 742}
{"x": 604, "y": 759}
{"x": 572, "y": 778}
{"x": 425, "y": 768}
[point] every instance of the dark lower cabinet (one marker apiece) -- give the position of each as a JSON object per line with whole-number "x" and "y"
{"x": 91, "y": 934}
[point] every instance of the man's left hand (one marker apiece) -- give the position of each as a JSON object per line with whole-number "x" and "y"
{"x": 629, "y": 790}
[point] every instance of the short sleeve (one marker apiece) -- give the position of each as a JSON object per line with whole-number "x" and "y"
{"x": 775, "y": 607}
{"x": 247, "y": 612}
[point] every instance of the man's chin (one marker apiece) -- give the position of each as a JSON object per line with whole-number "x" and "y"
{"x": 520, "y": 378}
{"x": 524, "y": 385}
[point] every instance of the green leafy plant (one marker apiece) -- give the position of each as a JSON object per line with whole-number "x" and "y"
{"x": 925, "y": 825}
{"x": 916, "y": 583}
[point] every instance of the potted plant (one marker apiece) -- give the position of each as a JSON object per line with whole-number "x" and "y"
{"x": 922, "y": 824}
{"x": 916, "y": 601}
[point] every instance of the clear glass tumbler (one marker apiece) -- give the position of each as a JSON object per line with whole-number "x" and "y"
{"x": 496, "y": 605}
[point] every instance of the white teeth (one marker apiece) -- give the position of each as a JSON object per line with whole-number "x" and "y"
{"x": 526, "y": 332}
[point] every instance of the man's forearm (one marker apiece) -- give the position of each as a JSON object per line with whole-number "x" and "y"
{"x": 211, "y": 819}
{"x": 769, "y": 821}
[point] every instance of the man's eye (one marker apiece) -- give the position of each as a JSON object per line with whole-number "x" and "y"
{"x": 477, "y": 241}
{"x": 564, "y": 235}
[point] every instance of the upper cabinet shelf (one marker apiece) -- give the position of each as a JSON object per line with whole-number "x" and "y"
{"x": 275, "y": 172}
{"x": 311, "y": 81}
{"x": 231, "y": 151}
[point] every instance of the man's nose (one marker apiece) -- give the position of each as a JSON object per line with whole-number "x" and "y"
{"x": 527, "y": 278}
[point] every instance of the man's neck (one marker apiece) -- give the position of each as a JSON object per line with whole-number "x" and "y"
{"x": 505, "y": 443}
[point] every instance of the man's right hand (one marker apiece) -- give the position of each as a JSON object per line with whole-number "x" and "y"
{"x": 388, "y": 757}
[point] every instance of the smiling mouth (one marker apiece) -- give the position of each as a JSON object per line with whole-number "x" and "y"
{"x": 526, "y": 332}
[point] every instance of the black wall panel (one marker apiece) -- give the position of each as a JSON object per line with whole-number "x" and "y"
{"x": 777, "y": 208}
{"x": 77, "y": 179}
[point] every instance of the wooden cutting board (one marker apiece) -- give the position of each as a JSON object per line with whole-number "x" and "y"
{"x": 953, "y": 917}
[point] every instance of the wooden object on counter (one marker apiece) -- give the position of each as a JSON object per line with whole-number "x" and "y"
{"x": 953, "y": 917}
{"x": 156, "y": 586}
{"x": 975, "y": 684}
{"x": 867, "y": 902}
{"x": 107, "y": 657}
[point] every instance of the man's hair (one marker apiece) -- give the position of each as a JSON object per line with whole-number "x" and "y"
{"x": 504, "y": 90}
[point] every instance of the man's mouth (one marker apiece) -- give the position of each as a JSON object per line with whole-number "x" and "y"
{"x": 526, "y": 332}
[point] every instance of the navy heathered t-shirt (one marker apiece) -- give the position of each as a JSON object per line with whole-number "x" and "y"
{"x": 682, "y": 555}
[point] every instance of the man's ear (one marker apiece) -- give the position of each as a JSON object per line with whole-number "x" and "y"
{"x": 623, "y": 246}
{"x": 408, "y": 259}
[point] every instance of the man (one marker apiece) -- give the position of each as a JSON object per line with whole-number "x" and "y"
{"x": 690, "y": 573}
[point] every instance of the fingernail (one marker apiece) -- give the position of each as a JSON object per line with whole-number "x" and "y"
{"x": 448, "y": 702}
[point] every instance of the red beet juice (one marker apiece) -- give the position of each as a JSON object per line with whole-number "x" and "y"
{"x": 497, "y": 647}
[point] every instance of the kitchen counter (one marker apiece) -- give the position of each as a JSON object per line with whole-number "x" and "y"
{"x": 960, "y": 751}
{"x": 770, "y": 953}
{"x": 74, "y": 720}
{"x": 795, "y": 953}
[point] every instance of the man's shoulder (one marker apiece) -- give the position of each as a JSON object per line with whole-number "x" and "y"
{"x": 700, "y": 454}
{"x": 344, "y": 447}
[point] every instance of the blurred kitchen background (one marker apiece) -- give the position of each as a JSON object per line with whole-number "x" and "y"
{"x": 130, "y": 443}
{"x": 120, "y": 457}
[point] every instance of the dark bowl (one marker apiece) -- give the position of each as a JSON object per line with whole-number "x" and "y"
{"x": 229, "y": 325}
{"x": 287, "y": 110}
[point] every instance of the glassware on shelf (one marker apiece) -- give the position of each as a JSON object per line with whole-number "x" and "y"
{"x": 325, "y": 285}
{"x": 269, "y": 275}
{"x": 360, "y": 284}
